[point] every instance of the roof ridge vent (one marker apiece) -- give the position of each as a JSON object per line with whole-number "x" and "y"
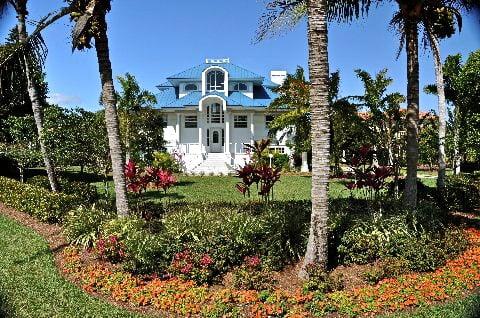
{"x": 217, "y": 61}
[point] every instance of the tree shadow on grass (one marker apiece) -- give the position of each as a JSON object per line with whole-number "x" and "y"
{"x": 157, "y": 195}
{"x": 6, "y": 310}
{"x": 184, "y": 183}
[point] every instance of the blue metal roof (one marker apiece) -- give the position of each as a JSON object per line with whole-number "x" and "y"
{"x": 234, "y": 72}
{"x": 262, "y": 98}
{"x": 262, "y": 90}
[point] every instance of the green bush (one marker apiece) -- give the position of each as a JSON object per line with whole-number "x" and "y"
{"x": 82, "y": 226}
{"x": 252, "y": 275}
{"x": 424, "y": 249}
{"x": 38, "y": 202}
{"x": 321, "y": 281}
{"x": 462, "y": 193}
{"x": 165, "y": 161}
{"x": 85, "y": 192}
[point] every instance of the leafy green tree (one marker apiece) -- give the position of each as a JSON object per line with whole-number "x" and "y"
{"x": 136, "y": 115}
{"x": 429, "y": 141}
{"x": 23, "y": 147}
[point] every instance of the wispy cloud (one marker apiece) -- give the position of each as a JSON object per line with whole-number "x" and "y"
{"x": 64, "y": 100}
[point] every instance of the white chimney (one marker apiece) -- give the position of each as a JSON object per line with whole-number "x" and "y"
{"x": 278, "y": 77}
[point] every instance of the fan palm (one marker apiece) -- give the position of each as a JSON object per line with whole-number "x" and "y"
{"x": 26, "y": 61}
{"x": 91, "y": 24}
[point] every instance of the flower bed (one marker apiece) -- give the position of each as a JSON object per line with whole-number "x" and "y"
{"x": 185, "y": 298}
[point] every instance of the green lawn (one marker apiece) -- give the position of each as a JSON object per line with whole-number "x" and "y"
{"x": 222, "y": 188}
{"x": 465, "y": 308}
{"x": 30, "y": 285}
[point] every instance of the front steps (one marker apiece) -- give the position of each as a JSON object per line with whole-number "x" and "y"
{"x": 214, "y": 164}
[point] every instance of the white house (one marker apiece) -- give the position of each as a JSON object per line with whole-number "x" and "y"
{"x": 212, "y": 109}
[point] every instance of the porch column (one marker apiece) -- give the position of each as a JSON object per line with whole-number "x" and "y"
{"x": 226, "y": 149}
{"x": 252, "y": 129}
{"x": 177, "y": 130}
{"x": 200, "y": 131}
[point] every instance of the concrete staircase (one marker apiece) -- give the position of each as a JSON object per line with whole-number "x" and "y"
{"x": 215, "y": 163}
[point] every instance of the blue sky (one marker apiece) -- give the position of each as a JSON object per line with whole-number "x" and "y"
{"x": 161, "y": 38}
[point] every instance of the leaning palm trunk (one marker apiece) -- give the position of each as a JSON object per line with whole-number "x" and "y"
{"x": 36, "y": 104}
{"x": 111, "y": 119}
{"x": 412, "y": 113}
{"x": 317, "y": 248}
{"x": 442, "y": 109}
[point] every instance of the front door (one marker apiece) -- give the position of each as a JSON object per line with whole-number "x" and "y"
{"x": 216, "y": 145}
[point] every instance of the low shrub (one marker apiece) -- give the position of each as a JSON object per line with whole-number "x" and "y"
{"x": 252, "y": 275}
{"x": 424, "y": 249}
{"x": 319, "y": 280}
{"x": 192, "y": 266}
{"x": 85, "y": 192}
{"x": 82, "y": 226}
{"x": 166, "y": 161}
{"x": 110, "y": 249}
{"x": 38, "y": 202}
{"x": 462, "y": 193}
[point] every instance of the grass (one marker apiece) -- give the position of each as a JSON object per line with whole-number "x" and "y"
{"x": 30, "y": 285}
{"x": 468, "y": 307}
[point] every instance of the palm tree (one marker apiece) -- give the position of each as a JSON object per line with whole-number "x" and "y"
{"x": 293, "y": 100}
{"x": 279, "y": 13}
{"x": 30, "y": 59}
{"x": 131, "y": 100}
{"x": 317, "y": 247}
{"x": 90, "y": 23}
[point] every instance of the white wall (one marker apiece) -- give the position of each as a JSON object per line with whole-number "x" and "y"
{"x": 182, "y": 92}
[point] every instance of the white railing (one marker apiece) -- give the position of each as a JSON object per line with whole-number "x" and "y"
{"x": 188, "y": 148}
{"x": 240, "y": 149}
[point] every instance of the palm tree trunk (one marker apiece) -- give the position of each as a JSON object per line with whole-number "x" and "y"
{"x": 111, "y": 119}
{"x": 411, "y": 30}
{"x": 442, "y": 108}
{"x": 35, "y": 99}
{"x": 456, "y": 141}
{"x": 317, "y": 247}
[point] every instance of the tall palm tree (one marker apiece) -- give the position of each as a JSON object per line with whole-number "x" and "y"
{"x": 279, "y": 14}
{"x": 317, "y": 247}
{"x": 31, "y": 58}
{"x": 90, "y": 23}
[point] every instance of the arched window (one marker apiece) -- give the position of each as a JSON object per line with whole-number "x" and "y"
{"x": 241, "y": 87}
{"x": 191, "y": 87}
{"x": 215, "y": 80}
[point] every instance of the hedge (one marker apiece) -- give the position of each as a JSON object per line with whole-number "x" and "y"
{"x": 38, "y": 202}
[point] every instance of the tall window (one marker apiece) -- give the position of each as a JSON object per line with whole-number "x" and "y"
{"x": 240, "y": 121}
{"x": 215, "y": 114}
{"x": 191, "y": 121}
{"x": 215, "y": 80}
{"x": 191, "y": 87}
{"x": 241, "y": 87}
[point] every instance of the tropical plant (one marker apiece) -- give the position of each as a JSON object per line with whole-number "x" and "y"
{"x": 90, "y": 23}
{"x": 132, "y": 100}
{"x": 262, "y": 175}
{"x": 294, "y": 116}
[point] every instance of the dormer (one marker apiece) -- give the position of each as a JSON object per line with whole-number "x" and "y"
{"x": 243, "y": 87}
{"x": 215, "y": 77}
{"x": 186, "y": 88}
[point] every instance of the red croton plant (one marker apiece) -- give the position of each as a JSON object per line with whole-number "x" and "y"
{"x": 264, "y": 177}
{"x": 138, "y": 180}
{"x": 365, "y": 175}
